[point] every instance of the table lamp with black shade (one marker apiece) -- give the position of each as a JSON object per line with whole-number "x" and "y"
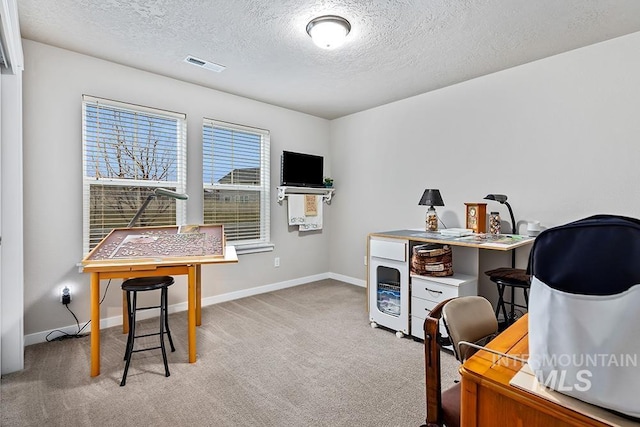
{"x": 157, "y": 192}
{"x": 431, "y": 197}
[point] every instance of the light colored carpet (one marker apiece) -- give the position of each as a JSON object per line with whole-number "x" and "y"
{"x": 295, "y": 357}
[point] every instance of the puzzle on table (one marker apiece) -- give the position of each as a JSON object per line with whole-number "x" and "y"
{"x": 163, "y": 242}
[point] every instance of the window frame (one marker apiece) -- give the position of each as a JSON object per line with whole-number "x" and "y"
{"x": 263, "y": 243}
{"x": 179, "y": 184}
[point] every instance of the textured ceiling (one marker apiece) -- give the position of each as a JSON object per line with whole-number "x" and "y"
{"x": 396, "y": 48}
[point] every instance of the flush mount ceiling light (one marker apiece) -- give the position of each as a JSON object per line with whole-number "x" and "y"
{"x": 328, "y": 31}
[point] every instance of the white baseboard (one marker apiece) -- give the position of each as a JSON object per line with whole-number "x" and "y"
{"x": 109, "y": 322}
{"x": 348, "y": 279}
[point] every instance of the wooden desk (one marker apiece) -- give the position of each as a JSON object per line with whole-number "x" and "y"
{"x": 109, "y": 260}
{"x": 488, "y": 400}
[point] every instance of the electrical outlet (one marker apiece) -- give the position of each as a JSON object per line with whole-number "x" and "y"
{"x": 65, "y": 296}
{"x": 276, "y": 262}
{"x": 365, "y": 260}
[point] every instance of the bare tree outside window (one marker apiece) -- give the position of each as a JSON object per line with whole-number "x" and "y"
{"x": 127, "y": 155}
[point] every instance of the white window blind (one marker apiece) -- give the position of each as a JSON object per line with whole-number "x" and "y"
{"x": 128, "y": 151}
{"x": 236, "y": 183}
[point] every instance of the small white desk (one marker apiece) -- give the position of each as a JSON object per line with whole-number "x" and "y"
{"x": 390, "y": 262}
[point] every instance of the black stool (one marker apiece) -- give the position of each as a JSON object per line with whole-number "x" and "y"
{"x": 142, "y": 284}
{"x": 514, "y": 278}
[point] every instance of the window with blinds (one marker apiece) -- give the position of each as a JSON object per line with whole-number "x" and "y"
{"x": 128, "y": 152}
{"x": 236, "y": 183}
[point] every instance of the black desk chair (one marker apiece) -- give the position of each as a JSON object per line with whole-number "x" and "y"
{"x": 143, "y": 284}
{"x": 512, "y": 278}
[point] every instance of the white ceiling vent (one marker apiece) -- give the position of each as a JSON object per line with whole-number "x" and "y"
{"x": 204, "y": 64}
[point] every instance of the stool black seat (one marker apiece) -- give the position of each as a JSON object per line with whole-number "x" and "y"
{"x": 514, "y": 278}
{"x": 143, "y": 284}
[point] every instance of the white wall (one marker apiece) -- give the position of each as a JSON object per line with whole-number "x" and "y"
{"x": 54, "y": 82}
{"x": 559, "y": 136}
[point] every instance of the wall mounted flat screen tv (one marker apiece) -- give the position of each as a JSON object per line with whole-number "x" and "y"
{"x": 301, "y": 170}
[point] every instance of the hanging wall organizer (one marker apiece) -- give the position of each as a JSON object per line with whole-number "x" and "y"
{"x": 326, "y": 193}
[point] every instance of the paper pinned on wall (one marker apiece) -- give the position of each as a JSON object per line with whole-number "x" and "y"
{"x": 310, "y": 205}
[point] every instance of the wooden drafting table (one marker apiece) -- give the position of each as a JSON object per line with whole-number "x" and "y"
{"x": 155, "y": 251}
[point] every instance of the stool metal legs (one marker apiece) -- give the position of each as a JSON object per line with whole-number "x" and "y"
{"x": 501, "y": 306}
{"x": 165, "y": 304}
{"x": 132, "y": 308}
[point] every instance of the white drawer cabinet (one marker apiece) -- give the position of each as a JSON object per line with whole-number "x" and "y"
{"x": 427, "y": 292}
{"x": 436, "y": 291}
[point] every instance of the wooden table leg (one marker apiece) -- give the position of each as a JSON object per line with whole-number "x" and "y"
{"x": 95, "y": 324}
{"x": 198, "y": 295}
{"x": 125, "y": 314}
{"x": 191, "y": 309}
{"x": 468, "y": 403}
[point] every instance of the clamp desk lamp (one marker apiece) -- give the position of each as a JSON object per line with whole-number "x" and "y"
{"x": 512, "y": 277}
{"x": 157, "y": 192}
{"x": 502, "y": 199}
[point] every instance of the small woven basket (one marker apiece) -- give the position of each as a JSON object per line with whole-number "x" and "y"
{"x": 432, "y": 259}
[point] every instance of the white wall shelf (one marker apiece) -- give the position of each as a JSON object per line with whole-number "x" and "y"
{"x": 326, "y": 193}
